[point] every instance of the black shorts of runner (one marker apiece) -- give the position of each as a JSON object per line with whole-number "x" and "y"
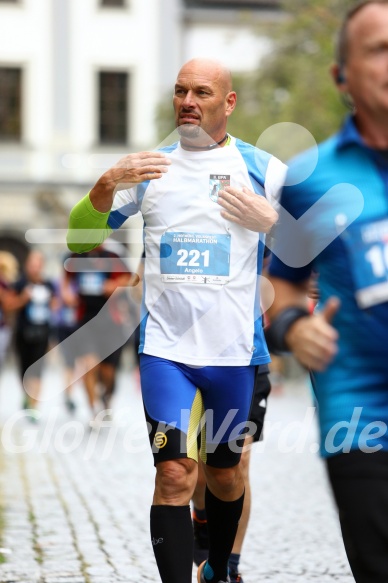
{"x": 114, "y": 358}
{"x": 31, "y": 343}
{"x": 102, "y": 337}
{"x": 68, "y": 349}
{"x": 259, "y": 401}
{"x": 360, "y": 485}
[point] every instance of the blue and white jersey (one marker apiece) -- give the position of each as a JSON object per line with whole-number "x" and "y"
{"x": 201, "y": 300}
{"x": 352, "y": 393}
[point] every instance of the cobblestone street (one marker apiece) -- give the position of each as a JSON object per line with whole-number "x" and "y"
{"x": 76, "y": 501}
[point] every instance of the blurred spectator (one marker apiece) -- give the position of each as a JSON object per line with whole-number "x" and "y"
{"x": 8, "y": 273}
{"x": 65, "y": 324}
{"x": 33, "y": 297}
{"x": 92, "y": 282}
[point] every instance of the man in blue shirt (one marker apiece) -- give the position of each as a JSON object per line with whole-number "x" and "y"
{"x": 335, "y": 223}
{"x": 344, "y": 344}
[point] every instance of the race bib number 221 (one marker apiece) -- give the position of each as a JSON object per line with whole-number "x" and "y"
{"x": 195, "y": 257}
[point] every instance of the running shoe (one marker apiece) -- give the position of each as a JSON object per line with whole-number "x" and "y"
{"x": 235, "y": 577}
{"x": 201, "y": 576}
{"x": 201, "y": 541}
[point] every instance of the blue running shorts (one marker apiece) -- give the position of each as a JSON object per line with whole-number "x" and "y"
{"x": 182, "y": 402}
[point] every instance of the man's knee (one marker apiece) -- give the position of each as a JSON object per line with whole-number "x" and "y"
{"x": 223, "y": 479}
{"x": 176, "y": 479}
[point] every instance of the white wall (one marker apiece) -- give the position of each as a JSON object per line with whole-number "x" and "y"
{"x": 119, "y": 40}
{"x": 61, "y": 45}
{"x": 24, "y": 42}
{"x": 239, "y": 47}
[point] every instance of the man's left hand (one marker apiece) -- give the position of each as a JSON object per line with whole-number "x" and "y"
{"x": 247, "y": 209}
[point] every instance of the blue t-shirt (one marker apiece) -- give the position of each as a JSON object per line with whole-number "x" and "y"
{"x": 345, "y": 240}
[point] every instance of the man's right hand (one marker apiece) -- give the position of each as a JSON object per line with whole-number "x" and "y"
{"x": 128, "y": 171}
{"x": 313, "y": 340}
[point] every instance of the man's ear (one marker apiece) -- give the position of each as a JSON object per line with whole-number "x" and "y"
{"x": 231, "y": 100}
{"x": 338, "y": 74}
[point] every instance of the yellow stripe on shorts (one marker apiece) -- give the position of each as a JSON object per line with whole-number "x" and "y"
{"x": 196, "y": 413}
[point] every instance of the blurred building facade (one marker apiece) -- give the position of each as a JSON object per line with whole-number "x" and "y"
{"x": 80, "y": 81}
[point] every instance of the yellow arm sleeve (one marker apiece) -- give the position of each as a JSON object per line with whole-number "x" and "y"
{"x": 88, "y": 228}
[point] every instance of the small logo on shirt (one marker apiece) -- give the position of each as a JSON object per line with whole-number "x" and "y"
{"x": 160, "y": 439}
{"x": 217, "y": 182}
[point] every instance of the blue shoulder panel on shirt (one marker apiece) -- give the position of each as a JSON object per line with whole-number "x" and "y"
{"x": 141, "y": 191}
{"x": 119, "y": 216}
{"x": 257, "y": 163}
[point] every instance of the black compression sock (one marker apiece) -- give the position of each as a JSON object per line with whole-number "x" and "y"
{"x": 172, "y": 541}
{"x": 222, "y": 520}
{"x": 234, "y": 561}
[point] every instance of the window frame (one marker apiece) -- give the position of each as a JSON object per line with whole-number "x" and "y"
{"x": 128, "y": 100}
{"x": 15, "y": 139}
{"x": 103, "y": 6}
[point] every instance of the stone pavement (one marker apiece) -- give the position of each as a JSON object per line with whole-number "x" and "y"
{"x": 76, "y": 501}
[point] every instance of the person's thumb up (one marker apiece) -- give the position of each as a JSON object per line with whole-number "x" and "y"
{"x": 330, "y": 309}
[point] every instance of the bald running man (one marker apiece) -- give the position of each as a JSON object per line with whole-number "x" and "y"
{"x": 202, "y": 340}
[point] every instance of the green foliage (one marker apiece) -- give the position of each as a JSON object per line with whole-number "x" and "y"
{"x": 293, "y": 82}
{"x": 165, "y": 117}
